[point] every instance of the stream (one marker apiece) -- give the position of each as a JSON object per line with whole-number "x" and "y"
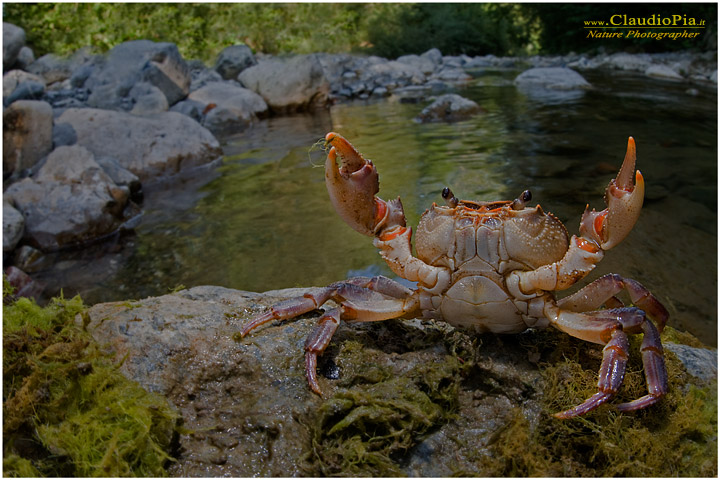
{"x": 262, "y": 220}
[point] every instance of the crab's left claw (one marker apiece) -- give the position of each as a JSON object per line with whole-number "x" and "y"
{"x": 624, "y": 198}
{"x": 352, "y": 187}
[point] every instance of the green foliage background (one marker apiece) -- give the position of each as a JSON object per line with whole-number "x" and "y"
{"x": 201, "y": 30}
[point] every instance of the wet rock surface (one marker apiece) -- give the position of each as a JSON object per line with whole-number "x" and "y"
{"x": 409, "y": 397}
{"x": 450, "y": 107}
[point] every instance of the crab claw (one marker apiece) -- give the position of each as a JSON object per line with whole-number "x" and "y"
{"x": 624, "y": 199}
{"x": 352, "y": 186}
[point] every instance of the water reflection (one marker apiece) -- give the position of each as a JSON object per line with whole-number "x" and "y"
{"x": 265, "y": 221}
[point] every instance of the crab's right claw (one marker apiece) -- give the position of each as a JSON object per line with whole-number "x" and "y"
{"x": 352, "y": 187}
{"x": 624, "y": 198}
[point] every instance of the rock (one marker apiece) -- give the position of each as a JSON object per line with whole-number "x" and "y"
{"x": 202, "y": 77}
{"x": 13, "y": 41}
{"x": 234, "y": 59}
{"x": 28, "y": 90}
{"x": 120, "y": 176}
{"x": 147, "y": 98}
{"x": 159, "y": 64}
{"x": 13, "y": 227}
{"x": 191, "y": 108}
{"x": 393, "y": 74}
{"x": 23, "y": 284}
{"x": 628, "y": 62}
{"x": 662, "y": 71}
{"x": 25, "y": 57}
{"x": 434, "y": 55}
{"x": 424, "y": 64}
{"x": 403, "y": 397}
{"x": 148, "y": 146}
{"x": 30, "y": 260}
{"x": 234, "y": 107}
{"x": 699, "y": 362}
{"x": 295, "y": 84}
{"x": 713, "y": 76}
{"x": 448, "y": 108}
{"x": 13, "y": 78}
{"x": 553, "y": 78}
{"x": 63, "y": 135}
{"x": 451, "y": 75}
{"x": 27, "y": 134}
{"x": 69, "y": 202}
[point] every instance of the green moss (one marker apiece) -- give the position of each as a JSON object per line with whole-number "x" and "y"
{"x": 67, "y": 410}
{"x": 378, "y": 414}
{"x": 676, "y": 437}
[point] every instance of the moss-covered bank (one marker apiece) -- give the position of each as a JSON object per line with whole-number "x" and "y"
{"x": 67, "y": 410}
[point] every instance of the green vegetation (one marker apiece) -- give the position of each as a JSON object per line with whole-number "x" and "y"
{"x": 201, "y": 30}
{"x": 67, "y": 410}
{"x": 381, "y": 411}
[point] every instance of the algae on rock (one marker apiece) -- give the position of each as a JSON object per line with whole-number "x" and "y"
{"x": 67, "y": 410}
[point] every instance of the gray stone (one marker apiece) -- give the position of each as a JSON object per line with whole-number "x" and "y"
{"x": 393, "y": 73}
{"x": 63, "y": 135}
{"x": 234, "y": 59}
{"x": 148, "y": 146}
{"x": 449, "y": 108}
{"x": 13, "y": 78}
{"x": 31, "y": 260}
{"x": 13, "y": 41}
{"x": 699, "y": 362}
{"x": 53, "y": 68}
{"x": 424, "y": 64}
{"x": 295, "y": 84}
{"x": 69, "y": 202}
{"x": 26, "y": 91}
{"x": 191, "y": 108}
{"x": 27, "y": 134}
{"x": 119, "y": 175}
{"x": 25, "y": 57}
{"x": 434, "y": 55}
{"x": 13, "y": 227}
{"x": 552, "y": 78}
{"x": 159, "y": 64}
{"x": 200, "y": 78}
{"x": 662, "y": 71}
{"x": 234, "y": 107}
{"x": 148, "y": 99}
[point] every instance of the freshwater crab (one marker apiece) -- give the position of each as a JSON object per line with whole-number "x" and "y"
{"x": 490, "y": 266}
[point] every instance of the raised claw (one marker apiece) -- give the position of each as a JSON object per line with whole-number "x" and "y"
{"x": 352, "y": 187}
{"x": 624, "y": 198}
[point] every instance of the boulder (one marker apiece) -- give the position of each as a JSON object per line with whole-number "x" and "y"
{"x": 553, "y": 78}
{"x": 434, "y": 55}
{"x": 13, "y": 41}
{"x": 400, "y": 397}
{"x": 69, "y": 202}
{"x": 290, "y": 85}
{"x": 13, "y": 227}
{"x": 424, "y": 64}
{"x": 159, "y": 64}
{"x": 449, "y": 108}
{"x": 227, "y": 108}
{"x": 53, "y": 68}
{"x": 628, "y": 62}
{"x": 148, "y": 146}
{"x": 28, "y": 90}
{"x": 234, "y": 59}
{"x": 147, "y": 98}
{"x": 13, "y": 78}
{"x": 25, "y": 57}
{"x": 662, "y": 71}
{"x": 392, "y": 74}
{"x": 27, "y": 134}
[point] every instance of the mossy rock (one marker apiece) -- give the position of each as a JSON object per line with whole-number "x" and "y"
{"x": 400, "y": 398}
{"x": 67, "y": 410}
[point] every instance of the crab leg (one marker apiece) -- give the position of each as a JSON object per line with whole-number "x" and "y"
{"x": 610, "y": 327}
{"x": 604, "y": 288}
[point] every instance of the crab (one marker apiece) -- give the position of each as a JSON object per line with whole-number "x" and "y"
{"x": 491, "y": 267}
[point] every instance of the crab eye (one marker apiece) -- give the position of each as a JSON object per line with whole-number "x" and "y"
{"x": 450, "y": 199}
{"x": 519, "y": 203}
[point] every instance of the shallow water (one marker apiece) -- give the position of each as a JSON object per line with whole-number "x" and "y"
{"x": 263, "y": 221}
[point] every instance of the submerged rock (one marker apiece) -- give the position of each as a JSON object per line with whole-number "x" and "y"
{"x": 554, "y": 78}
{"x": 450, "y": 107}
{"x": 401, "y": 397}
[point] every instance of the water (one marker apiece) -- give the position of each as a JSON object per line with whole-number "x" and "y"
{"x": 263, "y": 221}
